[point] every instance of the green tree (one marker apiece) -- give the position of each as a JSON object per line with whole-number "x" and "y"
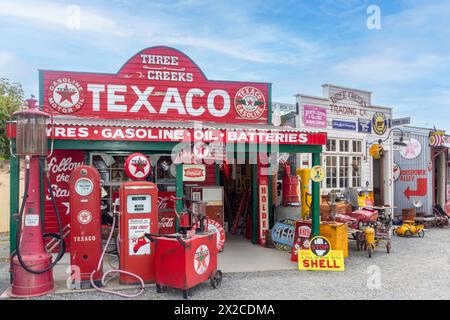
{"x": 11, "y": 97}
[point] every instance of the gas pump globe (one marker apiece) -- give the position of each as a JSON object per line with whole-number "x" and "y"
{"x": 31, "y": 130}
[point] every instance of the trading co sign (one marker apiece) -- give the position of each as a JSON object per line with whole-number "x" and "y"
{"x": 157, "y": 83}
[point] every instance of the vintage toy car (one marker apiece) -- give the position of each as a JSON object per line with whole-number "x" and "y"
{"x": 358, "y": 218}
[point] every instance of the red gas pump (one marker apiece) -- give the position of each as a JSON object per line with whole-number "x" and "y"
{"x": 31, "y": 264}
{"x": 186, "y": 259}
{"x": 138, "y": 215}
{"x": 85, "y": 224}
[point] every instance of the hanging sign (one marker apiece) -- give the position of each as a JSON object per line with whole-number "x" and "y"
{"x": 436, "y": 138}
{"x": 137, "y": 166}
{"x": 400, "y": 121}
{"x": 379, "y": 123}
{"x": 157, "y": 83}
{"x": 412, "y": 150}
{"x": 320, "y": 256}
{"x": 194, "y": 172}
{"x": 317, "y": 174}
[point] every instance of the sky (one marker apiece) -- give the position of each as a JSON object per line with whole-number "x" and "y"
{"x": 295, "y": 45}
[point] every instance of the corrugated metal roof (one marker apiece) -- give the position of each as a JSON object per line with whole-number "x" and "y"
{"x": 78, "y": 121}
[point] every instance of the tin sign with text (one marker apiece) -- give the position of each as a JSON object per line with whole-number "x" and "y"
{"x": 320, "y": 256}
{"x": 159, "y": 83}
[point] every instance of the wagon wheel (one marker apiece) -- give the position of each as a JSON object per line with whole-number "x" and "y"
{"x": 216, "y": 279}
{"x": 370, "y": 251}
{"x": 408, "y": 234}
{"x": 421, "y": 233}
{"x": 388, "y": 247}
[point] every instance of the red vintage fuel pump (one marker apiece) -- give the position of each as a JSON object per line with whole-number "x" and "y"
{"x": 31, "y": 264}
{"x": 138, "y": 215}
{"x": 85, "y": 225}
{"x": 188, "y": 258}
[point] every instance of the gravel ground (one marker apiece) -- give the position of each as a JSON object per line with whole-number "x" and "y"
{"x": 4, "y": 261}
{"x": 417, "y": 268}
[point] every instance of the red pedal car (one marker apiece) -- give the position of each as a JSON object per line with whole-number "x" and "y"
{"x": 358, "y": 218}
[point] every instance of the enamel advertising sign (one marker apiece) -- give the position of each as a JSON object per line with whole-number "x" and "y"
{"x": 320, "y": 256}
{"x": 157, "y": 83}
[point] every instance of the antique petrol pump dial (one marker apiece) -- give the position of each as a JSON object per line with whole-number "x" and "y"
{"x": 84, "y": 187}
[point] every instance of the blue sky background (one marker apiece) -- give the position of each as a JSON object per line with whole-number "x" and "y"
{"x": 296, "y": 45}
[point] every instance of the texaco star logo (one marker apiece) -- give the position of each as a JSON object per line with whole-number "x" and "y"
{"x": 84, "y": 217}
{"x": 201, "y": 259}
{"x": 249, "y": 103}
{"x": 137, "y": 166}
{"x": 65, "y": 95}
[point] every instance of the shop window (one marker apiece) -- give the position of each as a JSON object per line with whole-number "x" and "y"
{"x": 343, "y": 161}
{"x": 331, "y": 172}
{"x": 343, "y": 172}
{"x": 344, "y": 145}
{"x": 357, "y": 146}
{"x": 331, "y": 144}
{"x": 356, "y": 171}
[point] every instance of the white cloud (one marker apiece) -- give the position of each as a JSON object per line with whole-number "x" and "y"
{"x": 53, "y": 15}
{"x": 386, "y": 68}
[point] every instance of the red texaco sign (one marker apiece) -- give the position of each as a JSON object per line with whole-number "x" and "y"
{"x": 159, "y": 83}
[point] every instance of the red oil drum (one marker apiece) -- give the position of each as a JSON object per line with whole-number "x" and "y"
{"x": 290, "y": 195}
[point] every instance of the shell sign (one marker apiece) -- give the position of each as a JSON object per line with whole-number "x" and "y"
{"x": 156, "y": 83}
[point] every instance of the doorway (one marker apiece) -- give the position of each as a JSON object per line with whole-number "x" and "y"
{"x": 237, "y": 180}
{"x": 439, "y": 176}
{"x": 378, "y": 181}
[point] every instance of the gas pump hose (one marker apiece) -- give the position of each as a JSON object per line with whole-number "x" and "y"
{"x": 19, "y": 224}
{"x": 116, "y": 271}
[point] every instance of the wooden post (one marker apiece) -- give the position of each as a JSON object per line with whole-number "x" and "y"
{"x": 315, "y": 230}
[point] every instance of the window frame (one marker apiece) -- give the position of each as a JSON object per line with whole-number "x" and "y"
{"x": 347, "y": 174}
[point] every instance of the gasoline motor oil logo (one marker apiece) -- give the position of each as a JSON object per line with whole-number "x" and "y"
{"x": 379, "y": 123}
{"x": 201, "y": 259}
{"x": 84, "y": 217}
{"x": 249, "y": 103}
{"x": 320, "y": 246}
{"x": 66, "y": 95}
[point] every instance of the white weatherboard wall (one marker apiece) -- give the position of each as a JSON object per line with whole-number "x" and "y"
{"x": 355, "y": 104}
